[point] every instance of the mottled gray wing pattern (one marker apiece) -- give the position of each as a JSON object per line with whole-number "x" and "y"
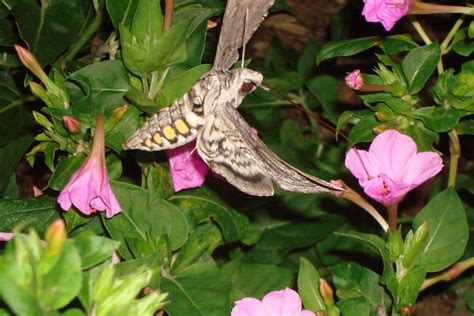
{"x": 226, "y": 152}
{"x": 230, "y": 148}
{"x": 233, "y": 26}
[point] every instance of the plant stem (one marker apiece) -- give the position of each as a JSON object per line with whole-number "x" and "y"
{"x": 353, "y": 196}
{"x": 455, "y": 150}
{"x": 169, "y": 4}
{"x": 392, "y": 217}
{"x": 419, "y": 29}
{"x": 447, "y": 40}
{"x": 450, "y": 274}
{"x": 85, "y": 36}
{"x": 153, "y": 85}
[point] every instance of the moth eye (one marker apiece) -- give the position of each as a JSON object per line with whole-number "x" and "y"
{"x": 247, "y": 87}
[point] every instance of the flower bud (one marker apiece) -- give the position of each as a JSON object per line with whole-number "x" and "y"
{"x": 38, "y": 91}
{"x": 37, "y": 191}
{"x": 379, "y": 129}
{"x": 326, "y": 292}
{"x": 119, "y": 113}
{"x": 30, "y": 62}
{"x": 382, "y": 116}
{"x": 414, "y": 245}
{"x": 354, "y": 80}
{"x": 72, "y": 125}
{"x": 211, "y": 24}
{"x": 55, "y": 236}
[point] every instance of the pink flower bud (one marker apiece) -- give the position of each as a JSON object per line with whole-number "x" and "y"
{"x": 30, "y": 62}
{"x": 354, "y": 80}
{"x": 37, "y": 191}
{"x": 326, "y": 292}
{"x": 72, "y": 125}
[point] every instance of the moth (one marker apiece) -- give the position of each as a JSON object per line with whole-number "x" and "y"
{"x": 208, "y": 114}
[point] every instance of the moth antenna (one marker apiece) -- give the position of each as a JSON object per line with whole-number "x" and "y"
{"x": 317, "y": 118}
{"x": 243, "y": 39}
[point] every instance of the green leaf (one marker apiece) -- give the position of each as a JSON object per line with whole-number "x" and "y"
{"x": 36, "y": 212}
{"x": 148, "y": 21}
{"x": 410, "y": 285}
{"x": 308, "y": 287}
{"x": 93, "y": 250}
{"x": 306, "y": 62}
{"x": 139, "y": 226}
{"x": 345, "y": 48}
{"x": 436, "y": 118}
{"x": 448, "y": 231}
{"x": 397, "y": 43}
{"x": 106, "y": 83}
{"x": 200, "y": 289}
{"x": 324, "y": 88}
{"x": 202, "y": 205}
{"x": 256, "y": 280}
{"x": 64, "y": 171}
{"x": 118, "y": 134}
{"x": 363, "y": 131}
{"x": 354, "y": 306}
{"x": 182, "y": 83}
{"x": 121, "y": 11}
{"x": 419, "y": 64}
{"x": 63, "y": 281}
{"x": 142, "y": 102}
{"x": 423, "y": 137}
{"x": 10, "y": 156}
{"x": 465, "y": 127}
{"x": 50, "y": 29}
{"x": 276, "y": 242}
{"x": 352, "y": 280}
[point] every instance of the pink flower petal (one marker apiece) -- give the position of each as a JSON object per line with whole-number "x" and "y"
{"x": 387, "y": 12}
{"x": 187, "y": 168}
{"x": 249, "y": 306}
{"x": 422, "y": 167}
{"x": 393, "y": 166}
{"x": 286, "y": 302}
{"x": 393, "y": 150}
{"x": 6, "y": 236}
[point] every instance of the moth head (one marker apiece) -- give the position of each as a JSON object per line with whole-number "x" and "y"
{"x": 249, "y": 80}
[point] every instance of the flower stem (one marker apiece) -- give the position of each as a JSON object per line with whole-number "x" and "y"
{"x": 431, "y": 8}
{"x": 98, "y": 141}
{"x": 85, "y": 36}
{"x": 419, "y": 29}
{"x": 353, "y": 196}
{"x": 447, "y": 40}
{"x": 450, "y": 274}
{"x": 392, "y": 217}
{"x": 169, "y": 4}
{"x": 455, "y": 150}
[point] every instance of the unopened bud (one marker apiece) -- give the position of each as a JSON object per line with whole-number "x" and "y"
{"x": 72, "y": 125}
{"x": 379, "y": 129}
{"x": 211, "y": 24}
{"x": 119, "y": 113}
{"x": 37, "y": 191}
{"x": 55, "y": 236}
{"x": 382, "y": 116}
{"x": 38, "y": 91}
{"x": 326, "y": 292}
{"x": 30, "y": 62}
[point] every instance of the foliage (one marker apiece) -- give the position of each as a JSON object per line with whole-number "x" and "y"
{"x": 205, "y": 248}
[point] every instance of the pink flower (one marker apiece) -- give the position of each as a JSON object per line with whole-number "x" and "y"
{"x": 187, "y": 168}
{"x": 277, "y": 303}
{"x": 387, "y": 12}
{"x": 6, "y": 236}
{"x": 392, "y": 167}
{"x": 71, "y": 124}
{"x": 89, "y": 188}
{"x": 354, "y": 80}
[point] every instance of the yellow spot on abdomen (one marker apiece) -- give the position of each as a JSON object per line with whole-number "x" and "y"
{"x": 157, "y": 138}
{"x": 169, "y": 132}
{"x": 181, "y": 126}
{"x": 148, "y": 143}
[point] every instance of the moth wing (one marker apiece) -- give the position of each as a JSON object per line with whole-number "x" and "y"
{"x": 226, "y": 152}
{"x": 233, "y": 27}
{"x": 237, "y": 142}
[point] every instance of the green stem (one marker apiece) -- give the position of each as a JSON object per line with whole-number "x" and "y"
{"x": 392, "y": 217}
{"x": 450, "y": 274}
{"x": 455, "y": 150}
{"x": 153, "y": 85}
{"x": 419, "y": 29}
{"x": 85, "y": 36}
{"x": 146, "y": 88}
{"x": 447, "y": 40}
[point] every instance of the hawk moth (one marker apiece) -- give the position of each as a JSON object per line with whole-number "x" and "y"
{"x": 208, "y": 114}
